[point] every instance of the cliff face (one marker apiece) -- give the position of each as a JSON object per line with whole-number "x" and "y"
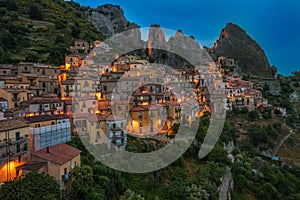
{"x": 109, "y": 19}
{"x": 235, "y": 43}
{"x": 176, "y": 52}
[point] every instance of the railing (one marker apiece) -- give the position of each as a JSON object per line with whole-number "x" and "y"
{"x": 20, "y": 140}
{"x": 65, "y": 177}
{"x": 177, "y": 109}
{"x": 15, "y": 99}
{"x": 177, "y": 117}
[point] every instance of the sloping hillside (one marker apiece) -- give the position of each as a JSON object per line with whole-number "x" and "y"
{"x": 41, "y": 30}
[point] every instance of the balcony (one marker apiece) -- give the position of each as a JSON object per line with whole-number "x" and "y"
{"x": 178, "y": 117}
{"x": 15, "y": 99}
{"x": 177, "y": 109}
{"x": 17, "y": 153}
{"x": 120, "y": 143}
{"x": 115, "y": 128}
{"x": 65, "y": 177}
{"x": 18, "y": 141}
{"x": 119, "y": 136}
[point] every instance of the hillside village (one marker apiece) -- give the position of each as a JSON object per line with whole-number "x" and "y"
{"x": 43, "y": 106}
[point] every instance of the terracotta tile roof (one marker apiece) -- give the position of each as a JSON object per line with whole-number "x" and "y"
{"x": 11, "y": 124}
{"x": 42, "y": 118}
{"x": 139, "y": 108}
{"x": 173, "y": 103}
{"x": 60, "y": 153}
{"x": 34, "y": 166}
{"x": 95, "y": 118}
{"x": 113, "y": 118}
{"x": 40, "y": 100}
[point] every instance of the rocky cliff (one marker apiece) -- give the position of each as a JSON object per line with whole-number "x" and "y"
{"x": 109, "y": 19}
{"x": 235, "y": 43}
{"x": 178, "y": 51}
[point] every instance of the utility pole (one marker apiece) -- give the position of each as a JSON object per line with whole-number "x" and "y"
{"x": 8, "y": 152}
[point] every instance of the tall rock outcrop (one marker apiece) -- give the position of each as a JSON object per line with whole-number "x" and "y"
{"x": 178, "y": 51}
{"x": 109, "y": 19}
{"x": 235, "y": 43}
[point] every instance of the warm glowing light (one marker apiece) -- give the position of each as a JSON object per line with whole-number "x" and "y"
{"x": 30, "y": 115}
{"x": 190, "y": 120}
{"x": 114, "y": 68}
{"x": 135, "y": 123}
{"x": 159, "y": 122}
{"x": 67, "y": 66}
{"x": 8, "y": 171}
{"x": 99, "y": 95}
{"x": 149, "y": 47}
{"x": 201, "y": 113}
{"x": 97, "y": 112}
{"x": 145, "y": 103}
{"x": 64, "y": 77}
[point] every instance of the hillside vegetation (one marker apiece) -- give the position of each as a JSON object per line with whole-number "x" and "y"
{"x": 41, "y": 30}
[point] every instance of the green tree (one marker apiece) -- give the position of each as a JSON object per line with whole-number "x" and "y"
{"x": 11, "y": 5}
{"x": 257, "y": 134}
{"x": 277, "y": 126}
{"x": 253, "y": 115}
{"x": 33, "y": 186}
{"x": 35, "y": 12}
{"x": 218, "y": 154}
{"x": 268, "y": 192}
{"x": 244, "y": 110}
{"x": 83, "y": 185}
{"x": 271, "y": 131}
{"x": 228, "y": 132}
{"x": 240, "y": 182}
{"x": 8, "y": 41}
{"x": 131, "y": 195}
{"x": 32, "y": 57}
{"x": 195, "y": 192}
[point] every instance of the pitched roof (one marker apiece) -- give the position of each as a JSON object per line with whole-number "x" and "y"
{"x": 60, "y": 153}
{"x": 11, "y": 124}
{"x": 42, "y": 118}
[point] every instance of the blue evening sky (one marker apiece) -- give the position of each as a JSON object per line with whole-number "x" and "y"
{"x": 274, "y": 24}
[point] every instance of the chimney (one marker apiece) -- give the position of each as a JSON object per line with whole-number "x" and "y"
{"x": 48, "y": 150}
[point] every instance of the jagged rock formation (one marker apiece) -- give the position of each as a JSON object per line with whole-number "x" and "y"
{"x": 235, "y": 43}
{"x": 109, "y": 19}
{"x": 176, "y": 51}
{"x": 156, "y": 42}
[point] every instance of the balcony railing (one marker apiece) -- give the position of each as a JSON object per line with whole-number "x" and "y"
{"x": 177, "y": 109}
{"x": 18, "y": 141}
{"x": 15, "y": 99}
{"x": 66, "y": 177}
